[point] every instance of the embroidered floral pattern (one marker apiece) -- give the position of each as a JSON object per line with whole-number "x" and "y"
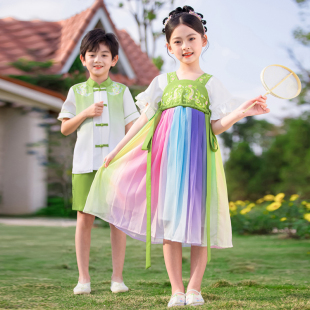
{"x": 186, "y": 93}
{"x": 82, "y": 90}
{"x": 172, "y": 78}
{"x": 115, "y": 89}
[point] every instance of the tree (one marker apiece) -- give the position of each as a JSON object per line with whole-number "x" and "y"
{"x": 145, "y": 12}
{"x": 240, "y": 170}
{"x": 257, "y": 133}
{"x": 302, "y": 35}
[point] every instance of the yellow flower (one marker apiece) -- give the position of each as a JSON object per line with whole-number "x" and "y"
{"x": 260, "y": 200}
{"x": 232, "y": 206}
{"x": 283, "y": 219}
{"x": 307, "y": 216}
{"x": 304, "y": 203}
{"x": 269, "y": 198}
{"x": 274, "y": 206}
{"x": 245, "y": 210}
{"x": 279, "y": 197}
{"x": 308, "y": 205}
{"x": 294, "y": 197}
{"x": 240, "y": 203}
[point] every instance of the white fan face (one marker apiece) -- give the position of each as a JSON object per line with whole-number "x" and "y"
{"x": 272, "y": 76}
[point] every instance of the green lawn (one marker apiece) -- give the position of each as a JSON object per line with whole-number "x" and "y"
{"x": 38, "y": 271}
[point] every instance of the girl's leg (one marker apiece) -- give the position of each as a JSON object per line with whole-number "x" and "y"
{"x": 198, "y": 265}
{"x": 173, "y": 260}
{"x": 82, "y": 244}
{"x": 118, "y": 244}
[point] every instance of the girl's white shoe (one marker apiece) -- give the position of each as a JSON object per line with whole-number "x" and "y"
{"x": 82, "y": 288}
{"x": 177, "y": 300}
{"x": 193, "y": 299}
{"x": 117, "y": 287}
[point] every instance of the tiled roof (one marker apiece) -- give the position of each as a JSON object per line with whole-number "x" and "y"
{"x": 142, "y": 65}
{"x": 34, "y": 87}
{"x": 41, "y": 41}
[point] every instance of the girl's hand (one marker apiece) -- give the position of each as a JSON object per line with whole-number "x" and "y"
{"x": 108, "y": 158}
{"x": 259, "y": 108}
{"x": 94, "y": 110}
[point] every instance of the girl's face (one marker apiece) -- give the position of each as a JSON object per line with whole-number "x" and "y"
{"x": 186, "y": 44}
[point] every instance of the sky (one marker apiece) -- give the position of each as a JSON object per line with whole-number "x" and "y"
{"x": 244, "y": 37}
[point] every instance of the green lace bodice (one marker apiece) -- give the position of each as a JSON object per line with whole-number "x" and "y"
{"x": 186, "y": 93}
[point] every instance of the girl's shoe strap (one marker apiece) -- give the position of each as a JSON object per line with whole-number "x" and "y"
{"x": 193, "y": 291}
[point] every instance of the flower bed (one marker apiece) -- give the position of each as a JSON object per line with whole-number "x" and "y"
{"x": 272, "y": 213}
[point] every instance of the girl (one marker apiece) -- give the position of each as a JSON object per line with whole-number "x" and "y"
{"x": 175, "y": 193}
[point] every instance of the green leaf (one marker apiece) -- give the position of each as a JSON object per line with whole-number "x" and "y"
{"x": 158, "y": 62}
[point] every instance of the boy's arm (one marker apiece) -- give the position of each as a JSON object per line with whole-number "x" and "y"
{"x": 226, "y": 122}
{"x": 69, "y": 125}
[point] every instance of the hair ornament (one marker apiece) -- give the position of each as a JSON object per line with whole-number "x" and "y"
{"x": 167, "y": 20}
{"x": 195, "y": 14}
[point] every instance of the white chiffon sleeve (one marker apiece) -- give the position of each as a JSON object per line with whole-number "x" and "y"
{"x": 147, "y": 101}
{"x": 221, "y": 101}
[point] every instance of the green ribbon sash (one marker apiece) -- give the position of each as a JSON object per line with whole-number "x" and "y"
{"x": 147, "y": 146}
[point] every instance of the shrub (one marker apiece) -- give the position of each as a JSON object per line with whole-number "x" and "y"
{"x": 272, "y": 213}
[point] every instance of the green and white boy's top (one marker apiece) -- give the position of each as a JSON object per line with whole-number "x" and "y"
{"x": 221, "y": 101}
{"x": 98, "y": 136}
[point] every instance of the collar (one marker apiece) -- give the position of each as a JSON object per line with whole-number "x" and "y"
{"x": 94, "y": 84}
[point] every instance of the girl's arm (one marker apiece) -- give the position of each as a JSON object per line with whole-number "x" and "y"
{"x": 226, "y": 122}
{"x": 128, "y": 126}
{"x": 69, "y": 125}
{"x": 135, "y": 128}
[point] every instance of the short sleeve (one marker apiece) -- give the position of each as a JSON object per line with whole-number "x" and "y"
{"x": 130, "y": 110}
{"x": 148, "y": 100}
{"x": 68, "y": 109}
{"x": 221, "y": 101}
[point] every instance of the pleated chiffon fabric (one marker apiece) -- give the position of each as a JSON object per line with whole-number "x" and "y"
{"x": 178, "y": 180}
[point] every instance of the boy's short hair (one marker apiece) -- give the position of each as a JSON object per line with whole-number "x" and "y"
{"x": 93, "y": 38}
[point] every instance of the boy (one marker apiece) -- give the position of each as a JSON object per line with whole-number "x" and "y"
{"x": 101, "y": 111}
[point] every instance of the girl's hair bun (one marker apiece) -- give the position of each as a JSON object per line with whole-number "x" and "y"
{"x": 187, "y": 8}
{"x": 178, "y": 12}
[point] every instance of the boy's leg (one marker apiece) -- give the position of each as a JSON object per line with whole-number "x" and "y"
{"x": 118, "y": 244}
{"x": 82, "y": 244}
{"x": 173, "y": 260}
{"x": 199, "y": 260}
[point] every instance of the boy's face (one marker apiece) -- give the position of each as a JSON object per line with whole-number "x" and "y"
{"x": 99, "y": 62}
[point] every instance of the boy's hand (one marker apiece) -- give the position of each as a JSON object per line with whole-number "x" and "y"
{"x": 108, "y": 158}
{"x": 94, "y": 110}
{"x": 259, "y": 108}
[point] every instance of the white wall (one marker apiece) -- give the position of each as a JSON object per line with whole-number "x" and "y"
{"x": 1, "y": 150}
{"x": 22, "y": 174}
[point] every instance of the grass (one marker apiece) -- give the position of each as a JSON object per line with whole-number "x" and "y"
{"x": 38, "y": 271}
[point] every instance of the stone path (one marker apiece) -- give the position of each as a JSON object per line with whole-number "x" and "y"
{"x": 38, "y": 222}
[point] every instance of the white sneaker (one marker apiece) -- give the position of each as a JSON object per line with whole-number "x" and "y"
{"x": 177, "y": 300}
{"x": 117, "y": 287}
{"x": 82, "y": 288}
{"x": 193, "y": 299}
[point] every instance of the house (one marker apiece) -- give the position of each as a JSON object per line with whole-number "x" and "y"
{"x": 22, "y": 177}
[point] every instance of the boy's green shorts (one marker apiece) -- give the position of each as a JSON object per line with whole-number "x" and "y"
{"x": 81, "y": 184}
